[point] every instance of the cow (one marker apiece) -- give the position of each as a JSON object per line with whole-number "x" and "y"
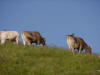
{"x": 12, "y": 36}
{"x": 29, "y": 37}
{"x": 77, "y": 43}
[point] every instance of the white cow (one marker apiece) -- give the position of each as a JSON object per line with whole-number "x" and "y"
{"x": 9, "y": 35}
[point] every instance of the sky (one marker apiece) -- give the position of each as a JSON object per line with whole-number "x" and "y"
{"x": 54, "y": 19}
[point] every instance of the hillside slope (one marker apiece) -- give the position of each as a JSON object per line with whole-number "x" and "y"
{"x": 29, "y": 60}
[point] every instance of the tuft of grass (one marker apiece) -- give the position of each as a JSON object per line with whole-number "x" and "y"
{"x": 33, "y": 60}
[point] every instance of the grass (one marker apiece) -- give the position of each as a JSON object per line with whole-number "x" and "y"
{"x": 32, "y": 60}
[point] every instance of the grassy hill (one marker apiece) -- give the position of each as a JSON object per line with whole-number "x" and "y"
{"x": 29, "y": 60}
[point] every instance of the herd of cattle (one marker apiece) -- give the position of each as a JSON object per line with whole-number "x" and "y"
{"x": 29, "y": 37}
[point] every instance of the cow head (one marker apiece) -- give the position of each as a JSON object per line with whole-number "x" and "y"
{"x": 89, "y": 50}
{"x": 70, "y": 37}
{"x": 43, "y": 40}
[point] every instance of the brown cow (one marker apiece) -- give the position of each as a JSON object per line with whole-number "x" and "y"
{"x": 29, "y": 37}
{"x": 77, "y": 43}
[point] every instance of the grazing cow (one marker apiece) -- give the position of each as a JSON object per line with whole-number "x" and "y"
{"x": 29, "y": 37}
{"x": 77, "y": 43}
{"x": 12, "y": 36}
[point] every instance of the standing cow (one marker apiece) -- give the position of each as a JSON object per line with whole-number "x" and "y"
{"x": 29, "y": 37}
{"x": 77, "y": 43}
{"x": 12, "y": 36}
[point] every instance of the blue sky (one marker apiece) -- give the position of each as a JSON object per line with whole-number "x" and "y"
{"x": 54, "y": 19}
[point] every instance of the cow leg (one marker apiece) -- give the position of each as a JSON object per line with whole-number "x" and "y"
{"x": 80, "y": 48}
{"x": 79, "y": 51}
{"x": 24, "y": 42}
{"x": 69, "y": 47}
{"x": 72, "y": 49}
{"x": 16, "y": 41}
{"x": 17, "y": 38}
{"x": 28, "y": 43}
{"x": 3, "y": 41}
{"x": 38, "y": 42}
